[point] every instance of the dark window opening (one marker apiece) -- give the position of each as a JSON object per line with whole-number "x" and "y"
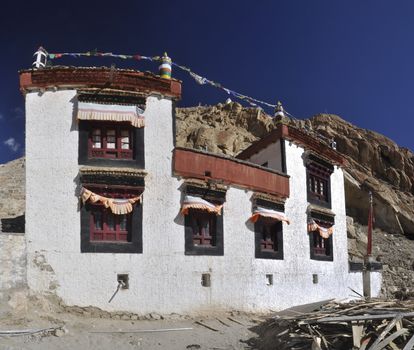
{"x": 268, "y": 242}
{"x": 320, "y": 245}
{"x": 203, "y": 225}
{"x": 108, "y": 227}
{"x": 117, "y": 144}
{"x": 204, "y": 230}
{"x": 269, "y": 238}
{"x": 318, "y": 187}
{"x": 321, "y": 248}
{"x": 206, "y": 280}
{"x": 318, "y": 182}
{"x": 105, "y": 232}
{"x": 114, "y": 141}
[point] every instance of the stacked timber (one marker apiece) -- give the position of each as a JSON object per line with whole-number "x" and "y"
{"x": 362, "y": 325}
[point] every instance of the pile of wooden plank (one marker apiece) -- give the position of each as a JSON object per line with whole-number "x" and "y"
{"x": 362, "y": 325}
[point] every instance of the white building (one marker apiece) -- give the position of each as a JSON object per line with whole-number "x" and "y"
{"x": 107, "y": 137}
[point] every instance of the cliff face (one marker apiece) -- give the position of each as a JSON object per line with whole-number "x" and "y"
{"x": 376, "y": 163}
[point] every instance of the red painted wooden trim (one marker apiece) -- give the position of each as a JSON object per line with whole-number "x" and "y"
{"x": 120, "y": 235}
{"x": 118, "y": 151}
{"x": 80, "y": 77}
{"x": 196, "y": 164}
{"x": 296, "y": 135}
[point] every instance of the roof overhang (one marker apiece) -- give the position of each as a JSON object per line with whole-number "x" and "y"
{"x": 297, "y": 136}
{"x": 98, "y": 77}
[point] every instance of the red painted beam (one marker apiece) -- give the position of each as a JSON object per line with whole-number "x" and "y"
{"x": 196, "y": 164}
{"x": 122, "y": 79}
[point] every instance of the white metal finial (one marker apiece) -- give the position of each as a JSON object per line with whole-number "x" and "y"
{"x": 279, "y": 112}
{"x": 41, "y": 58}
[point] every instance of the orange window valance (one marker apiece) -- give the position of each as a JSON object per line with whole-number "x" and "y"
{"x": 115, "y": 113}
{"x": 116, "y": 205}
{"x": 324, "y": 232}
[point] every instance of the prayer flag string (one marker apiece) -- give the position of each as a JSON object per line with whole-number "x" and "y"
{"x": 198, "y": 78}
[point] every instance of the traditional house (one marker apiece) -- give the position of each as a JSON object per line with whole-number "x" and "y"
{"x": 112, "y": 204}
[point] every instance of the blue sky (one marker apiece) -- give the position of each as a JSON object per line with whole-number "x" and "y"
{"x": 352, "y": 58}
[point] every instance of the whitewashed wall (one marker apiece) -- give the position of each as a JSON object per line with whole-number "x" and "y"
{"x": 271, "y": 154}
{"x": 334, "y": 279}
{"x": 162, "y": 279}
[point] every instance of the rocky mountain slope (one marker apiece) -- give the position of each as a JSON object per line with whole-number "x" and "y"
{"x": 12, "y": 188}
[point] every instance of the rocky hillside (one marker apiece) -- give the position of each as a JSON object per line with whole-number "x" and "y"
{"x": 12, "y": 188}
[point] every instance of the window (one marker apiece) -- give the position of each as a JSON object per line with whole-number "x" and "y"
{"x": 318, "y": 181}
{"x": 268, "y": 238}
{"x": 268, "y": 228}
{"x": 111, "y": 144}
{"x": 203, "y": 229}
{"x": 203, "y": 225}
{"x": 108, "y": 227}
{"x": 321, "y": 248}
{"x": 105, "y": 232}
{"x": 113, "y": 141}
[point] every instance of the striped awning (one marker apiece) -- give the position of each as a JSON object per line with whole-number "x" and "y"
{"x": 192, "y": 202}
{"x": 324, "y": 232}
{"x": 268, "y": 213}
{"x": 116, "y": 205}
{"x": 115, "y": 113}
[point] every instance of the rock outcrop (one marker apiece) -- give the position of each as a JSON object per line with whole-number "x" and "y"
{"x": 12, "y": 188}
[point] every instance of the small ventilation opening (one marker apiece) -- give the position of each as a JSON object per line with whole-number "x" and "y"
{"x": 124, "y": 280}
{"x": 206, "y": 280}
{"x": 207, "y": 173}
{"x": 269, "y": 280}
{"x": 315, "y": 278}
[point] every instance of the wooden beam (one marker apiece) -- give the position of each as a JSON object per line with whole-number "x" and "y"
{"x": 358, "y": 318}
{"x": 384, "y": 332}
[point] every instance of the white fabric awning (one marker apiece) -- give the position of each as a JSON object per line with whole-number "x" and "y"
{"x": 192, "y": 202}
{"x": 268, "y": 213}
{"x": 116, "y": 113}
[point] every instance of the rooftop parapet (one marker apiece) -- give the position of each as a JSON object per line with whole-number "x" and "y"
{"x": 127, "y": 80}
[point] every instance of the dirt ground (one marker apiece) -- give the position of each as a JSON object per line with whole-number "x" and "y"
{"x": 225, "y": 331}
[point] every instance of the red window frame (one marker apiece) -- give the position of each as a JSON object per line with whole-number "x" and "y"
{"x": 108, "y": 232}
{"x": 318, "y": 182}
{"x": 268, "y": 241}
{"x": 112, "y": 228}
{"x": 203, "y": 225}
{"x": 112, "y": 153}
